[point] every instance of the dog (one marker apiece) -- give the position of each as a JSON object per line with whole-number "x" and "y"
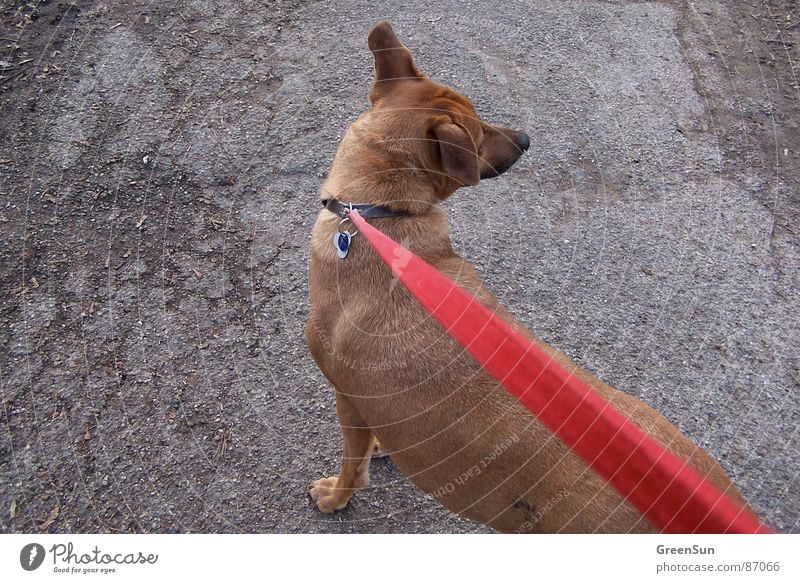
{"x": 399, "y": 379}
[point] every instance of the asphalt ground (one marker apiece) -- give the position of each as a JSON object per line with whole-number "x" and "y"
{"x": 159, "y": 174}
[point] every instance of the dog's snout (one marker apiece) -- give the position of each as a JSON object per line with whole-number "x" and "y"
{"x": 501, "y": 148}
{"x": 523, "y": 141}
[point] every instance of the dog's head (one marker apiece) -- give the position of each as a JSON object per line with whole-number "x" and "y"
{"x": 433, "y": 126}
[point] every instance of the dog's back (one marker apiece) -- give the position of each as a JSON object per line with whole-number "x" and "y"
{"x": 449, "y": 427}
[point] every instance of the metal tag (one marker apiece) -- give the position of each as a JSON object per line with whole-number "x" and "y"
{"x": 341, "y": 241}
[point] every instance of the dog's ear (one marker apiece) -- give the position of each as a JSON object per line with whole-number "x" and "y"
{"x": 393, "y": 61}
{"x": 459, "y": 153}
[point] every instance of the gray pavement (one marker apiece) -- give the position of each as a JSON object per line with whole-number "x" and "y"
{"x": 160, "y": 185}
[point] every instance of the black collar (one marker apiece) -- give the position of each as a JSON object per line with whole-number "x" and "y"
{"x": 368, "y": 211}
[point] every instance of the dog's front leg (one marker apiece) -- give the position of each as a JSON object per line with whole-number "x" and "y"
{"x": 331, "y": 494}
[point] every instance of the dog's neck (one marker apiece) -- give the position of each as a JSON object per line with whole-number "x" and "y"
{"x": 370, "y": 173}
{"x": 395, "y": 189}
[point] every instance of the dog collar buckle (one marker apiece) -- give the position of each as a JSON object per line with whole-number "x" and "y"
{"x": 342, "y": 237}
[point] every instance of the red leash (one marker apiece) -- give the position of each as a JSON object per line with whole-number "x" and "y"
{"x": 666, "y": 490}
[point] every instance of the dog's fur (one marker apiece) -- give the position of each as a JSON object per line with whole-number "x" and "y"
{"x": 451, "y": 428}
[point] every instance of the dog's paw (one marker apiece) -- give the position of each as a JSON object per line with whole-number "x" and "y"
{"x": 325, "y": 495}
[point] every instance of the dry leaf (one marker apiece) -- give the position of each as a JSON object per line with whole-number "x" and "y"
{"x": 52, "y": 518}
{"x": 13, "y": 508}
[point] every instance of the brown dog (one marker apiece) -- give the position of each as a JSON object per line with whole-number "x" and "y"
{"x": 451, "y": 428}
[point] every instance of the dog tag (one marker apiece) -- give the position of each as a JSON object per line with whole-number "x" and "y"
{"x": 342, "y": 243}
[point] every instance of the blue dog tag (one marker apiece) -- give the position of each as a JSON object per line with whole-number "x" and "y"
{"x": 341, "y": 241}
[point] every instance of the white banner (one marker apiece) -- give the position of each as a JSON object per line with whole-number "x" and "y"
{"x": 485, "y": 558}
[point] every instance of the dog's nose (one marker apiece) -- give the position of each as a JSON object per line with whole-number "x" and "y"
{"x": 523, "y": 141}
